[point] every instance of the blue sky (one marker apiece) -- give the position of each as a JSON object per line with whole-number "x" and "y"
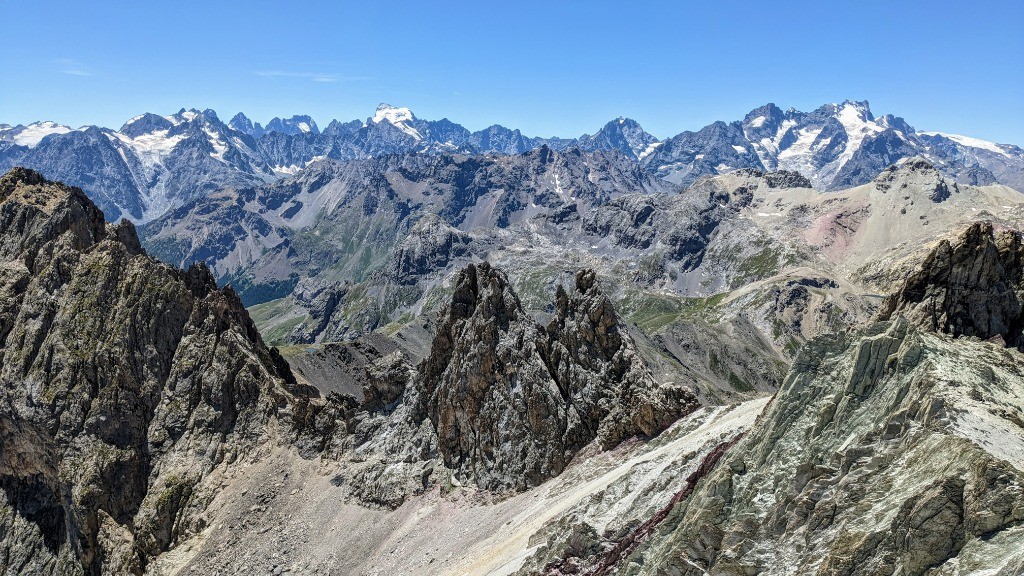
{"x": 548, "y": 67}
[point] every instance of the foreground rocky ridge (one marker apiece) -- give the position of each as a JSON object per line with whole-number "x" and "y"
{"x": 888, "y": 451}
{"x": 972, "y": 286}
{"x": 125, "y": 383}
{"x": 145, "y": 427}
{"x": 893, "y": 449}
{"x": 512, "y": 402}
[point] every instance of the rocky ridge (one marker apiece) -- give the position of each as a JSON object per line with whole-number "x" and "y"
{"x": 970, "y": 286}
{"x": 897, "y": 448}
{"x": 500, "y": 402}
{"x": 126, "y": 384}
{"x": 512, "y": 401}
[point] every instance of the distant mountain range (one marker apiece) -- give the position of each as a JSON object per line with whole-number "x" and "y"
{"x": 156, "y": 163}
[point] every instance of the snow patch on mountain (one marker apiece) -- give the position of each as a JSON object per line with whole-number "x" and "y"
{"x": 220, "y": 148}
{"x": 858, "y": 125}
{"x": 400, "y": 118}
{"x": 32, "y": 134}
{"x": 649, "y": 150}
{"x": 971, "y": 142}
{"x": 151, "y": 149}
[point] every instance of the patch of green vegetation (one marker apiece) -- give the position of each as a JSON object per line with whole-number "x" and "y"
{"x": 253, "y": 293}
{"x": 653, "y": 312}
{"x": 402, "y": 321}
{"x": 535, "y": 285}
{"x": 276, "y": 320}
{"x": 436, "y": 297}
{"x": 739, "y": 384}
{"x": 713, "y": 362}
{"x": 761, "y": 265}
{"x": 177, "y": 490}
{"x": 792, "y": 346}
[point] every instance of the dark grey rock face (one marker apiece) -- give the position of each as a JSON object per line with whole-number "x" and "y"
{"x": 89, "y": 160}
{"x": 430, "y": 246}
{"x": 512, "y": 402}
{"x": 623, "y": 135}
{"x": 716, "y": 148}
{"x": 241, "y": 123}
{"x": 499, "y": 139}
{"x": 123, "y": 383}
{"x": 681, "y": 225}
{"x": 972, "y": 286}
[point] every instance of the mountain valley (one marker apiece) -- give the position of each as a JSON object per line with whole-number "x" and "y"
{"x": 420, "y": 350}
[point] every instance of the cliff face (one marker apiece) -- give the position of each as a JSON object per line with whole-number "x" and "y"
{"x": 123, "y": 383}
{"x": 890, "y": 450}
{"x": 512, "y": 401}
{"x": 895, "y": 449}
{"x": 971, "y": 286}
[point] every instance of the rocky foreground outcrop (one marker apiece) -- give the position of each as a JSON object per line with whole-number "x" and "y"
{"x": 123, "y": 383}
{"x": 895, "y": 449}
{"x": 890, "y": 450}
{"x": 513, "y": 401}
{"x": 971, "y": 286}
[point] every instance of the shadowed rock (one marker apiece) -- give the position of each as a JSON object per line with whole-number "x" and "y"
{"x": 972, "y": 286}
{"x": 512, "y": 402}
{"x": 123, "y": 383}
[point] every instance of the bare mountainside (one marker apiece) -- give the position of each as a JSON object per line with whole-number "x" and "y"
{"x": 720, "y": 283}
{"x": 146, "y": 428}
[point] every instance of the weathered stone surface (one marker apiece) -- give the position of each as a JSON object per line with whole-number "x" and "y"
{"x": 869, "y": 460}
{"x": 972, "y": 286}
{"x": 512, "y": 402}
{"x": 123, "y": 383}
{"x": 917, "y": 175}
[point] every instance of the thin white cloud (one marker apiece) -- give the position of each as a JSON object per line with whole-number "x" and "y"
{"x": 312, "y": 76}
{"x": 72, "y": 67}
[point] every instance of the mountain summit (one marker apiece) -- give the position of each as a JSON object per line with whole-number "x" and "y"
{"x": 156, "y": 163}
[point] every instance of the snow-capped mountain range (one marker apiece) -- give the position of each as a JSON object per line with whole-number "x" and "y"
{"x": 155, "y": 163}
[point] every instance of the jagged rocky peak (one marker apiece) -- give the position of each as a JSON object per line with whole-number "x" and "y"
{"x": 971, "y": 286}
{"x": 786, "y": 179}
{"x": 242, "y": 123}
{"x": 124, "y": 382}
{"x": 512, "y": 402}
{"x": 916, "y": 174}
{"x": 299, "y": 124}
{"x": 782, "y": 179}
{"x": 35, "y": 212}
{"x": 501, "y": 419}
{"x": 591, "y": 352}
